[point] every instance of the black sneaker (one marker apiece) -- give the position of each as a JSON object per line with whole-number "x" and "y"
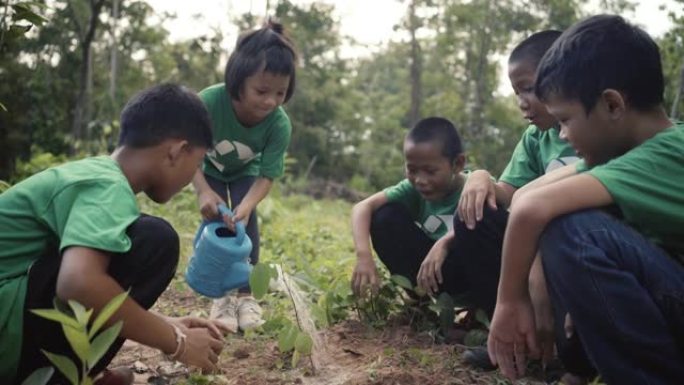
{"x": 478, "y": 358}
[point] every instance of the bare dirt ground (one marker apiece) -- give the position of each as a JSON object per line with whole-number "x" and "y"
{"x": 351, "y": 353}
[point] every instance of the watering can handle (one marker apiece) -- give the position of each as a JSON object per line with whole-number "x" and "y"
{"x": 239, "y": 226}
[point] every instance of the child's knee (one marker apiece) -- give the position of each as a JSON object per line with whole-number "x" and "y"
{"x": 156, "y": 232}
{"x": 489, "y": 230}
{"x": 563, "y": 237}
{"x": 388, "y": 214}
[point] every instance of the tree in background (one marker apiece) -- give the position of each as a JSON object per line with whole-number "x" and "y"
{"x": 349, "y": 115}
{"x": 672, "y": 51}
{"x": 40, "y": 78}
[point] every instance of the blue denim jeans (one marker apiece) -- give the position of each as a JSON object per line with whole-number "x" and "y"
{"x": 624, "y": 294}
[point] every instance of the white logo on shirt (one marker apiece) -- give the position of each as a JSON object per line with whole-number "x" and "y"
{"x": 244, "y": 153}
{"x": 433, "y": 222}
{"x": 560, "y": 162}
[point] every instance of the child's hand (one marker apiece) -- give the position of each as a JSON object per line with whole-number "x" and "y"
{"x": 478, "y": 189}
{"x": 201, "y": 349}
{"x": 217, "y": 329}
{"x": 208, "y": 202}
{"x": 365, "y": 274}
{"x": 512, "y": 337}
{"x": 430, "y": 274}
{"x": 240, "y": 214}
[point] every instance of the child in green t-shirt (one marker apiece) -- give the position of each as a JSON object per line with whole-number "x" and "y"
{"x": 539, "y": 151}
{"x": 75, "y": 232}
{"x": 251, "y": 135}
{"x": 404, "y": 221}
{"x": 483, "y": 214}
{"x": 619, "y": 279}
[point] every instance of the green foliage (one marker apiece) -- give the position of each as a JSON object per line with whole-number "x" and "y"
{"x": 88, "y": 343}
{"x": 4, "y": 186}
{"x": 345, "y": 112}
{"x": 39, "y": 162}
{"x": 260, "y": 278}
{"x": 291, "y": 337}
{"x": 672, "y": 51}
{"x": 292, "y": 340}
{"x": 39, "y": 376}
{"x": 17, "y": 18}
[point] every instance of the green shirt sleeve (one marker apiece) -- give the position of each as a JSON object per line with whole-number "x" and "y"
{"x": 404, "y": 193}
{"x": 95, "y": 214}
{"x": 646, "y": 184}
{"x": 523, "y": 166}
{"x": 273, "y": 156}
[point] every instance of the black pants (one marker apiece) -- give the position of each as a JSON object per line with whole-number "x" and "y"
{"x": 402, "y": 246}
{"x": 147, "y": 268}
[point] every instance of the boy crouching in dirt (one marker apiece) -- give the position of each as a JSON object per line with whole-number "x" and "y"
{"x": 621, "y": 281}
{"x": 75, "y": 232}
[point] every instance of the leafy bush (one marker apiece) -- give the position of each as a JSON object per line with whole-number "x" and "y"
{"x": 38, "y": 162}
{"x": 88, "y": 343}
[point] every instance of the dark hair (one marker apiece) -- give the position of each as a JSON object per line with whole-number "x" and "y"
{"x": 266, "y": 49}
{"x": 163, "y": 112}
{"x": 534, "y": 47}
{"x": 439, "y": 130}
{"x": 599, "y": 53}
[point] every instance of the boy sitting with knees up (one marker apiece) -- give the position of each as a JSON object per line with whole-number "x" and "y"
{"x": 620, "y": 280}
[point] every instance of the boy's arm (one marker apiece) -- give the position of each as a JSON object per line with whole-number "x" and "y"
{"x": 83, "y": 277}
{"x": 430, "y": 273}
{"x": 552, "y": 177}
{"x": 512, "y": 333}
{"x": 365, "y": 272}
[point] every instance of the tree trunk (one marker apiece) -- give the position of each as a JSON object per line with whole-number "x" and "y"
{"x": 674, "y": 110}
{"x": 416, "y": 67}
{"x": 83, "y": 99}
{"x": 480, "y": 78}
{"x": 113, "y": 67}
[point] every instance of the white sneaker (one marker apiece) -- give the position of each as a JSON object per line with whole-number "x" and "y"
{"x": 225, "y": 310}
{"x": 249, "y": 313}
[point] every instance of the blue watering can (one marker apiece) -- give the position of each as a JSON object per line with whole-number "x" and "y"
{"x": 221, "y": 258}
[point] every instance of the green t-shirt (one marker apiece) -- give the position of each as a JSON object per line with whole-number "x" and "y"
{"x": 241, "y": 151}
{"x": 537, "y": 153}
{"x": 84, "y": 203}
{"x": 647, "y": 184}
{"x": 435, "y": 218}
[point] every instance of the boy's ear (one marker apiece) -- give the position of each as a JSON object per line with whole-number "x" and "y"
{"x": 459, "y": 162}
{"x": 176, "y": 150}
{"x": 615, "y": 103}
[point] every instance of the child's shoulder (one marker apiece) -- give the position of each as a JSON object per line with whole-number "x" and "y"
{"x": 536, "y": 132}
{"x": 213, "y": 91}
{"x": 281, "y": 115}
{"x": 100, "y": 170}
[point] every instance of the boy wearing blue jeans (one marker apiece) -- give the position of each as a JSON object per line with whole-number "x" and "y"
{"x": 620, "y": 281}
